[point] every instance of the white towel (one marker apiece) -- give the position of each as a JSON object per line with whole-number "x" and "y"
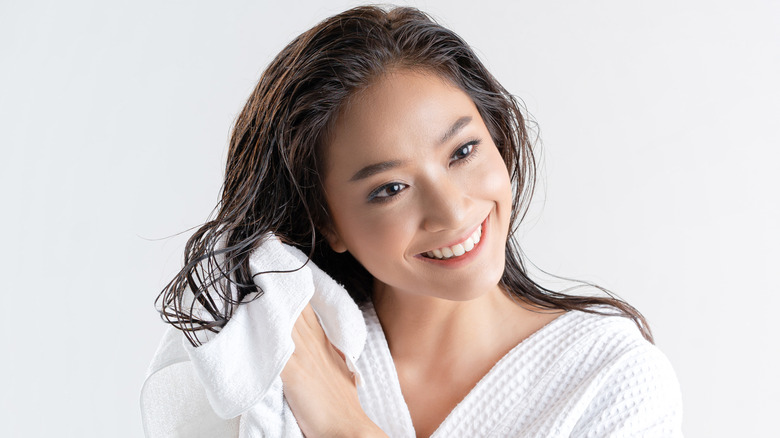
{"x": 201, "y": 391}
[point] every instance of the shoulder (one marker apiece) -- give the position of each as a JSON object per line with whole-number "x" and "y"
{"x": 630, "y": 385}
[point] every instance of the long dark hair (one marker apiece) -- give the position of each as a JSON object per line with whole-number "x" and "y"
{"x": 273, "y": 181}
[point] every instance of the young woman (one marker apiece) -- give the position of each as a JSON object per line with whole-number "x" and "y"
{"x": 379, "y": 145}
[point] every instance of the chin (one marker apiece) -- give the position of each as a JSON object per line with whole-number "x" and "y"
{"x": 471, "y": 291}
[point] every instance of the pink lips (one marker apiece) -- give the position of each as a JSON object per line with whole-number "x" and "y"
{"x": 462, "y": 239}
{"x": 455, "y": 262}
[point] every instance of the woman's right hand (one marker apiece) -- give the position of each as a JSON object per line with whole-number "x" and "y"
{"x": 319, "y": 387}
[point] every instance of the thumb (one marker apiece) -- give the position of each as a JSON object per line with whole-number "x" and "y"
{"x": 344, "y": 358}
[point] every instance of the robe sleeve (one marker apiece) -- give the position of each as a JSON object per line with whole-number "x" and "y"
{"x": 641, "y": 398}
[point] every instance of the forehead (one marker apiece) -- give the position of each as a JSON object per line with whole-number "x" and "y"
{"x": 398, "y": 115}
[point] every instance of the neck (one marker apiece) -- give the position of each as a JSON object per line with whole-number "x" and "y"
{"x": 428, "y": 331}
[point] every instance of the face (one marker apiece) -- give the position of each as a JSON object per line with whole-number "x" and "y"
{"x": 417, "y": 190}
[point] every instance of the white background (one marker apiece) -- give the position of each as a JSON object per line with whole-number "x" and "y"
{"x": 660, "y": 156}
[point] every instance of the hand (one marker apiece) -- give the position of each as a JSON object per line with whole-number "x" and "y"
{"x": 319, "y": 387}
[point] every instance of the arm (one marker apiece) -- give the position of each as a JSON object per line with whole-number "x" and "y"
{"x": 320, "y": 389}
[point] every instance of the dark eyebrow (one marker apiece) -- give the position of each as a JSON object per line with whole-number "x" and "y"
{"x": 457, "y": 126}
{"x": 373, "y": 169}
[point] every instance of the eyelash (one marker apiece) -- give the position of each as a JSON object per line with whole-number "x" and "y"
{"x": 473, "y": 153}
{"x": 473, "y": 144}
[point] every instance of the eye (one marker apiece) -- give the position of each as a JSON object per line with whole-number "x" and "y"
{"x": 465, "y": 152}
{"x": 386, "y": 192}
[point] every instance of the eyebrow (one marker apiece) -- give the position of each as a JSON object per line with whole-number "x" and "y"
{"x": 455, "y": 128}
{"x": 373, "y": 169}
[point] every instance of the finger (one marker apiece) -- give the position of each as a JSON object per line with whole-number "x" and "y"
{"x": 301, "y": 323}
{"x": 297, "y": 337}
{"x": 314, "y": 326}
{"x": 343, "y": 357}
{"x": 345, "y": 371}
{"x": 307, "y": 333}
{"x": 300, "y": 333}
{"x": 311, "y": 319}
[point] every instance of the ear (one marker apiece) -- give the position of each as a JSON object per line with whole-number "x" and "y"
{"x": 334, "y": 239}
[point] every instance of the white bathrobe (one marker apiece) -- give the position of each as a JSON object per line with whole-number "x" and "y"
{"x": 582, "y": 375}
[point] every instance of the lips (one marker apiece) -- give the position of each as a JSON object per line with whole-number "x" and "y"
{"x": 457, "y": 249}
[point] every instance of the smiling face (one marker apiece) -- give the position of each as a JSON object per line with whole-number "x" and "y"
{"x": 417, "y": 190}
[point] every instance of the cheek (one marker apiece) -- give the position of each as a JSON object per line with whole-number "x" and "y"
{"x": 495, "y": 186}
{"x": 494, "y": 179}
{"x": 374, "y": 236}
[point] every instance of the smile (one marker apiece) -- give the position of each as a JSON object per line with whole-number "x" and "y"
{"x": 458, "y": 249}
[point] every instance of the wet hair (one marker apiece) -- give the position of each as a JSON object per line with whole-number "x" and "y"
{"x": 273, "y": 176}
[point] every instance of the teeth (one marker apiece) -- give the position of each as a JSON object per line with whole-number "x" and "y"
{"x": 458, "y": 249}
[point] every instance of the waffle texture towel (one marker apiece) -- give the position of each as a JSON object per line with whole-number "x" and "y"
{"x": 201, "y": 391}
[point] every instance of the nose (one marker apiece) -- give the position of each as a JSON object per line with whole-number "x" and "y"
{"x": 445, "y": 205}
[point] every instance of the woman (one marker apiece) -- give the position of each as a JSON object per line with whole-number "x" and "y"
{"x": 378, "y": 144}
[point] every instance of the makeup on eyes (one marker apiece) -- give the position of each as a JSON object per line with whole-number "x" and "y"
{"x": 473, "y": 151}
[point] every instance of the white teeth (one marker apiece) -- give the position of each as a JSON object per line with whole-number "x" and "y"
{"x": 458, "y": 249}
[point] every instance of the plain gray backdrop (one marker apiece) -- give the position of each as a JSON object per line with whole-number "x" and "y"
{"x": 659, "y": 129}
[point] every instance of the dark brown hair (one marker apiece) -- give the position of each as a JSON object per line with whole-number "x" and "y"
{"x": 273, "y": 180}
